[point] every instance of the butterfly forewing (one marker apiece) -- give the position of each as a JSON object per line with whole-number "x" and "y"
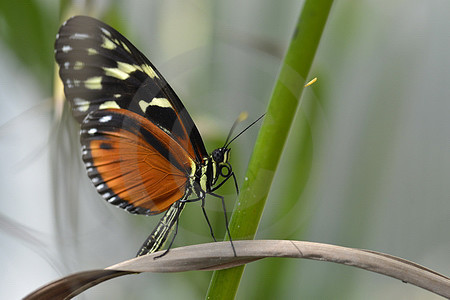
{"x": 101, "y": 69}
{"x": 133, "y": 163}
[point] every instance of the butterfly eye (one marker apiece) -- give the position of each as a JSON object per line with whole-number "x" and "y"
{"x": 217, "y": 155}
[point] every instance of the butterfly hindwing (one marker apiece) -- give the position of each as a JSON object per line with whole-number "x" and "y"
{"x": 133, "y": 163}
{"x": 101, "y": 69}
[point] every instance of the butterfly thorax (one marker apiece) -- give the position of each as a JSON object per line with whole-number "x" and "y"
{"x": 210, "y": 170}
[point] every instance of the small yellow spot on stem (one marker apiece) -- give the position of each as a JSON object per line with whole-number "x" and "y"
{"x": 311, "y": 82}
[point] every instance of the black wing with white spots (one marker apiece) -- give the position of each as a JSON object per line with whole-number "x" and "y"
{"x": 101, "y": 69}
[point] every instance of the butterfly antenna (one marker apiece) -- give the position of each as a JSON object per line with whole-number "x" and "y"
{"x": 241, "y": 118}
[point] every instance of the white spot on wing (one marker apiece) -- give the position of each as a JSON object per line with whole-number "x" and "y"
{"x": 143, "y": 105}
{"x": 92, "y": 51}
{"x": 79, "y": 36}
{"x": 160, "y": 102}
{"x": 100, "y": 186}
{"x": 112, "y": 199}
{"x": 126, "y": 67}
{"x": 149, "y": 71}
{"x": 78, "y": 65}
{"x": 125, "y": 47}
{"x": 92, "y": 131}
{"x": 66, "y": 65}
{"x": 122, "y": 71}
{"x": 93, "y": 83}
{"x": 116, "y": 73}
{"x": 80, "y": 104}
{"x": 109, "y": 104}
{"x": 108, "y": 44}
{"x": 105, "y": 31}
{"x": 66, "y": 48}
{"x": 105, "y": 119}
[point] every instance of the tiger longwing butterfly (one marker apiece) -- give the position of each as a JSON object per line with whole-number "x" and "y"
{"x": 141, "y": 149}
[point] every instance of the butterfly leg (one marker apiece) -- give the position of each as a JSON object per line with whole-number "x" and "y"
{"x": 207, "y": 219}
{"x": 235, "y": 183}
{"x": 204, "y": 213}
{"x": 226, "y": 219}
{"x": 225, "y": 180}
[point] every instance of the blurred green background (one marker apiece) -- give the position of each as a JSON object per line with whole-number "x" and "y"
{"x": 367, "y": 163}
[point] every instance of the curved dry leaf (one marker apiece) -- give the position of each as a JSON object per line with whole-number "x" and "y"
{"x": 74, "y": 284}
{"x": 216, "y": 256}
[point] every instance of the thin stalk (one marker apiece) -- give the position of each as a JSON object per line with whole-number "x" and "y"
{"x": 272, "y": 137}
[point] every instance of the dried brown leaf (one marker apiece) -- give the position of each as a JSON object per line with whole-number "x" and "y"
{"x": 216, "y": 256}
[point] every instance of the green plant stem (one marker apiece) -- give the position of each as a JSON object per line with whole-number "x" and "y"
{"x": 272, "y": 137}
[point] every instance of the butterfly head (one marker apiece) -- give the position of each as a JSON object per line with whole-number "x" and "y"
{"x": 220, "y": 157}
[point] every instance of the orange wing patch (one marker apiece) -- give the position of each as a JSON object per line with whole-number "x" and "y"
{"x": 133, "y": 163}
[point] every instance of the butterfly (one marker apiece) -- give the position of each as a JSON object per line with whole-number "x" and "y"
{"x": 140, "y": 147}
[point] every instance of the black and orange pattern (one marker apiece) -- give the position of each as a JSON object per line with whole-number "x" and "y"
{"x": 141, "y": 149}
